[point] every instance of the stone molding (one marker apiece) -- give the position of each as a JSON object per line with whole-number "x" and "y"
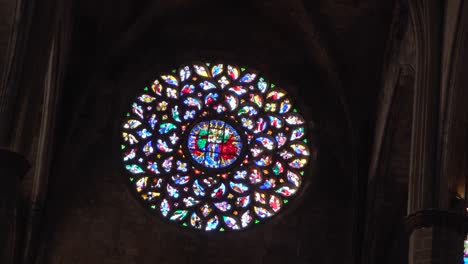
{"x": 436, "y": 218}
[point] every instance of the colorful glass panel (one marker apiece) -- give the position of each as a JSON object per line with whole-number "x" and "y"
{"x": 465, "y": 251}
{"x": 214, "y": 144}
{"x": 214, "y": 147}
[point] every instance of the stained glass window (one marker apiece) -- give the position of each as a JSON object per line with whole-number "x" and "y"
{"x": 214, "y": 147}
{"x": 214, "y": 144}
{"x": 465, "y": 251}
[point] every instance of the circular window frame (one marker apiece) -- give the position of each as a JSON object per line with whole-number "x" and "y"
{"x": 310, "y": 169}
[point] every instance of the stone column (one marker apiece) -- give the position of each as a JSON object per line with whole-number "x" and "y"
{"x": 436, "y": 231}
{"x": 436, "y": 237}
{"x": 12, "y": 168}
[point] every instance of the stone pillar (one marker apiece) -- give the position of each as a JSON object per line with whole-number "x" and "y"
{"x": 436, "y": 236}
{"x": 436, "y": 231}
{"x": 12, "y": 168}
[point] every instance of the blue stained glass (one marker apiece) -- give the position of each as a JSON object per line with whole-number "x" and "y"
{"x": 238, "y": 187}
{"x": 231, "y": 222}
{"x": 217, "y": 69}
{"x": 198, "y": 189}
{"x": 285, "y": 106}
{"x": 189, "y": 114}
{"x": 297, "y": 133}
{"x": 262, "y": 212}
{"x": 266, "y": 142}
{"x": 231, "y": 101}
{"x": 262, "y": 85}
{"x": 212, "y": 224}
{"x": 206, "y": 85}
{"x": 132, "y": 123}
{"x": 249, "y": 77}
{"x": 167, "y": 164}
{"x": 174, "y": 192}
{"x": 195, "y": 221}
{"x": 294, "y": 178}
{"x": 247, "y": 110}
{"x": 174, "y": 138}
{"x": 148, "y": 149}
{"x": 240, "y": 175}
{"x": 169, "y": 79}
{"x": 153, "y": 167}
{"x": 165, "y": 207}
{"x": 152, "y": 121}
{"x": 190, "y": 201}
{"x": 223, "y": 206}
{"x": 263, "y": 161}
{"x": 184, "y": 73}
{"x": 193, "y": 102}
{"x": 144, "y": 133}
{"x": 181, "y": 166}
{"x": 181, "y": 180}
{"x": 138, "y": 110}
{"x": 162, "y": 146}
{"x": 270, "y": 183}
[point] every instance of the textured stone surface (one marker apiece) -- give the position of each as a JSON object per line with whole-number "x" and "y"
{"x": 7, "y": 9}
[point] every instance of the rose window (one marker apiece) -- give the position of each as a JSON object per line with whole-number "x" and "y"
{"x": 214, "y": 147}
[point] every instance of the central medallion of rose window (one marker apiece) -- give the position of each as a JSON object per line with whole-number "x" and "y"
{"x": 214, "y": 144}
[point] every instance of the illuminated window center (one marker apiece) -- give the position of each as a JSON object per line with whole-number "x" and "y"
{"x": 214, "y": 144}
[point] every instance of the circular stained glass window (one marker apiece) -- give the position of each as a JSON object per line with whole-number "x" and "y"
{"x": 214, "y": 147}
